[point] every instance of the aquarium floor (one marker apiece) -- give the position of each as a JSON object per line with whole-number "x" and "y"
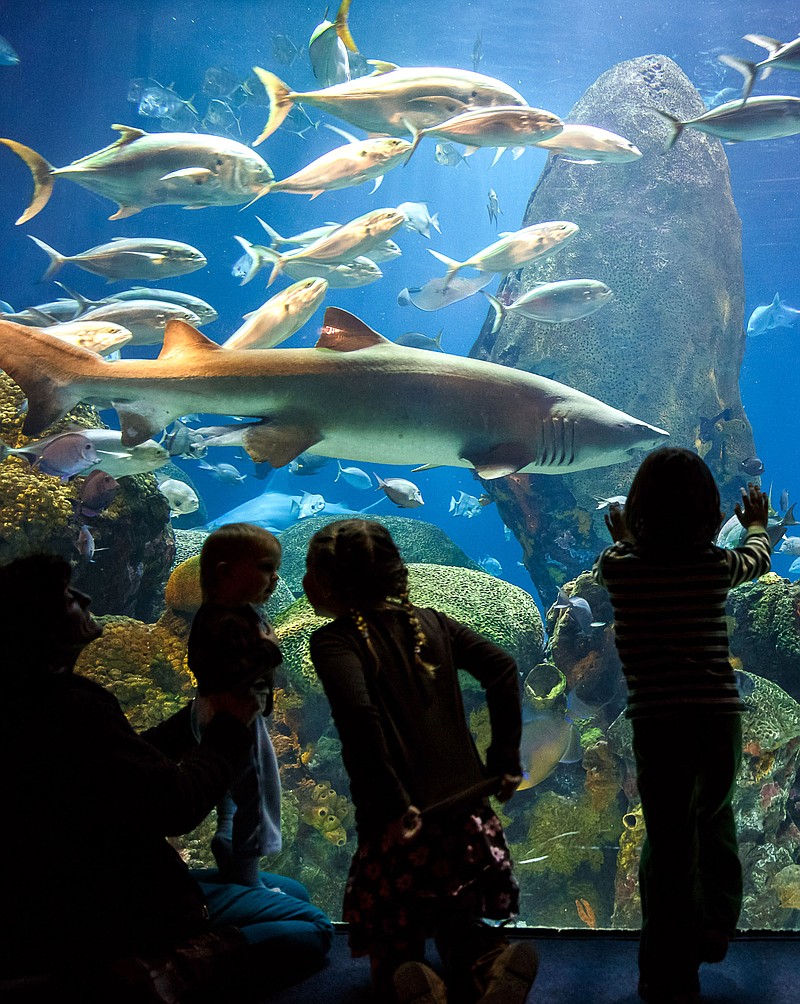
{"x": 596, "y": 968}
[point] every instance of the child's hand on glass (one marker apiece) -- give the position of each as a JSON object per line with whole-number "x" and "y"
{"x": 754, "y": 508}
{"x": 615, "y": 521}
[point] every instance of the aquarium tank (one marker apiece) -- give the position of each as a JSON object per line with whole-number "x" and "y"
{"x": 457, "y": 267}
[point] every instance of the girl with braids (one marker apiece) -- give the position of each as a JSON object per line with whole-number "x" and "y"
{"x": 431, "y": 858}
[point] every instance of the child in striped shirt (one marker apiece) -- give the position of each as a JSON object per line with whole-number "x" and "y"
{"x": 668, "y": 585}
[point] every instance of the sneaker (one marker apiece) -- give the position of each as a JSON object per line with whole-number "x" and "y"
{"x": 416, "y": 983}
{"x": 511, "y": 975}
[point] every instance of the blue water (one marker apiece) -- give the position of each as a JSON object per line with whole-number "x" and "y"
{"x": 72, "y": 83}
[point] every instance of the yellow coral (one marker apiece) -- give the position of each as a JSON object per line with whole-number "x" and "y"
{"x": 183, "y": 591}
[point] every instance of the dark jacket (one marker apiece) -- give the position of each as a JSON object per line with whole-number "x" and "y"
{"x": 84, "y": 861}
{"x": 405, "y": 738}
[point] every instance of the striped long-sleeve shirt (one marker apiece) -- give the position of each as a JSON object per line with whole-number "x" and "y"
{"x": 671, "y": 632}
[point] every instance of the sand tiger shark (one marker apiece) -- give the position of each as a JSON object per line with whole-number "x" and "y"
{"x": 355, "y": 395}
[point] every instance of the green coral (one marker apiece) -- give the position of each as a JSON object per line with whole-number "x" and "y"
{"x": 501, "y": 612}
{"x": 765, "y": 629}
{"x": 419, "y": 543}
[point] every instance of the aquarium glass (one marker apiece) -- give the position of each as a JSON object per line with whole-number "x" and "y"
{"x": 678, "y": 303}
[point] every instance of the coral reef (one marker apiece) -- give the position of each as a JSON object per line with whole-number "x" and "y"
{"x": 765, "y": 629}
{"x": 188, "y": 543}
{"x": 184, "y": 595}
{"x": 418, "y": 541}
{"x": 132, "y": 538}
{"x": 500, "y": 611}
{"x": 666, "y": 275}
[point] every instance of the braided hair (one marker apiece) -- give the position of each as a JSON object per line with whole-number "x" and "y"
{"x": 361, "y": 558}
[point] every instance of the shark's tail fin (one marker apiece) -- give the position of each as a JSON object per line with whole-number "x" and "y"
{"x": 49, "y": 371}
{"x": 280, "y": 102}
{"x": 42, "y": 177}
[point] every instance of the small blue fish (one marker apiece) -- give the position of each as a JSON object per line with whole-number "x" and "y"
{"x": 491, "y": 565}
{"x": 771, "y": 316}
{"x": 579, "y": 610}
{"x": 8, "y": 57}
{"x": 308, "y": 463}
{"x": 354, "y": 476}
{"x": 5, "y": 307}
{"x": 226, "y": 473}
{"x": 465, "y": 505}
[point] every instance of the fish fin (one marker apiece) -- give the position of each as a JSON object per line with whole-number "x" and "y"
{"x": 764, "y": 41}
{"x": 424, "y": 467}
{"x": 129, "y": 134}
{"x": 577, "y": 160}
{"x": 48, "y": 370}
{"x": 498, "y": 154}
{"x": 344, "y": 332}
{"x": 501, "y": 460}
{"x": 343, "y": 28}
{"x": 180, "y": 337}
{"x": 747, "y": 69}
{"x": 56, "y": 259}
{"x": 435, "y": 223}
{"x": 500, "y": 311}
{"x": 438, "y": 340}
{"x": 517, "y": 152}
{"x": 314, "y": 195}
{"x": 274, "y": 236}
{"x": 277, "y": 268}
{"x": 281, "y": 100}
{"x": 278, "y": 444}
{"x": 123, "y": 212}
{"x": 84, "y": 303}
{"x": 469, "y": 150}
{"x": 199, "y": 175}
{"x": 377, "y": 185}
{"x": 381, "y": 66}
{"x": 675, "y": 124}
{"x": 139, "y": 420}
{"x": 453, "y": 266}
{"x": 574, "y": 752}
{"x": 42, "y": 173}
{"x": 342, "y": 132}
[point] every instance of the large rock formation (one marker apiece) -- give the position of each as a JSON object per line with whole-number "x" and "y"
{"x": 664, "y": 234}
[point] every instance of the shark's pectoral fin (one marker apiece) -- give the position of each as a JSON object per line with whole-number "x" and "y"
{"x": 279, "y": 444}
{"x": 140, "y": 420}
{"x": 499, "y": 461}
{"x": 124, "y": 212}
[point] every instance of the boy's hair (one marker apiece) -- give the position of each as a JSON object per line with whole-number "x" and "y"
{"x": 361, "y": 559}
{"x": 673, "y": 501}
{"x": 229, "y": 543}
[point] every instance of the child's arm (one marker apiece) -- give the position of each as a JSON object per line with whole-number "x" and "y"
{"x": 752, "y": 558}
{"x": 617, "y": 526}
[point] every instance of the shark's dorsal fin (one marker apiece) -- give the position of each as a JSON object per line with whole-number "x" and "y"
{"x": 180, "y": 337}
{"x": 344, "y": 332}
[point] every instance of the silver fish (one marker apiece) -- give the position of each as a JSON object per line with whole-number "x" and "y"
{"x": 121, "y": 461}
{"x": 465, "y": 505}
{"x": 351, "y": 240}
{"x": 514, "y": 250}
{"x": 493, "y": 207}
{"x": 145, "y": 319}
{"x": 129, "y": 258}
{"x": 555, "y": 302}
{"x": 418, "y": 218}
{"x": 328, "y": 48}
{"x": 182, "y": 441}
{"x": 385, "y": 251}
{"x": 417, "y": 340}
{"x": 354, "y": 395}
{"x": 359, "y": 272}
{"x": 447, "y": 155}
{"x": 102, "y": 337}
{"x": 402, "y": 492}
{"x": 278, "y": 319}
{"x": 182, "y": 497}
{"x": 306, "y": 237}
{"x": 438, "y": 293}
{"x": 204, "y": 310}
{"x": 766, "y": 117}
{"x": 392, "y": 98}
{"x": 144, "y": 169}
{"x": 355, "y": 476}
{"x": 348, "y": 165}
{"x": 782, "y": 56}
{"x": 226, "y": 473}
{"x": 515, "y": 125}
{"x": 8, "y": 57}
{"x": 586, "y": 144}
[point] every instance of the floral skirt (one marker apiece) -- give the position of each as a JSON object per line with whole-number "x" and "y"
{"x": 395, "y": 890}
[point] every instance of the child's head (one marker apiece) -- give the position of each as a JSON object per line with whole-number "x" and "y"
{"x": 673, "y": 501}
{"x": 239, "y": 564}
{"x": 353, "y": 564}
